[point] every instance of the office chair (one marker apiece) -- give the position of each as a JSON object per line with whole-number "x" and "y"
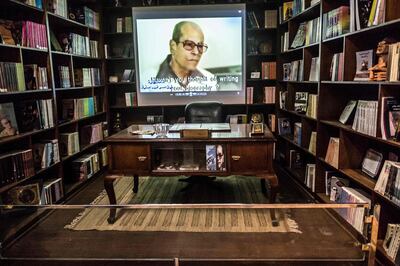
{"x": 202, "y": 112}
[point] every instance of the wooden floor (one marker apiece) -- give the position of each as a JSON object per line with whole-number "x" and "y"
{"x": 323, "y": 242}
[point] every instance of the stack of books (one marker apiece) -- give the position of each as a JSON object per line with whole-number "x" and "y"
{"x": 58, "y": 7}
{"x": 269, "y": 94}
{"x": 337, "y": 67}
{"x": 34, "y": 115}
{"x": 391, "y": 242}
{"x": 16, "y": 166}
{"x": 312, "y": 105}
{"x": 365, "y": 118}
{"x": 94, "y": 48}
{"x": 35, "y": 3}
{"x": 388, "y": 181}
{"x": 124, "y": 24}
{"x": 90, "y": 134}
{"x": 69, "y": 143}
{"x": 63, "y": 72}
{"x": 268, "y": 70}
{"x": 130, "y": 99}
{"x": 86, "y": 77}
{"x": 35, "y": 77}
{"x": 52, "y": 192}
{"x": 92, "y": 18}
{"x": 78, "y": 108}
{"x": 34, "y": 35}
{"x": 46, "y": 153}
{"x": 86, "y": 166}
{"x": 11, "y": 77}
{"x": 336, "y": 22}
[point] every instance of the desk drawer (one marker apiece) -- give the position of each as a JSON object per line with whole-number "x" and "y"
{"x": 130, "y": 158}
{"x": 251, "y": 157}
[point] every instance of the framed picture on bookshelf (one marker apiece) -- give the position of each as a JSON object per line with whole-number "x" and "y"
{"x": 8, "y": 122}
{"x": 255, "y": 75}
{"x": 372, "y": 163}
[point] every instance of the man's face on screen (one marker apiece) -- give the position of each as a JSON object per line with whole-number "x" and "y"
{"x": 186, "y": 58}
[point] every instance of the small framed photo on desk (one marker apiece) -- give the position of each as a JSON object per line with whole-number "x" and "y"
{"x": 257, "y": 129}
{"x": 255, "y": 75}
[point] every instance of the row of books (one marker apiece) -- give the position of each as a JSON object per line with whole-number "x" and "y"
{"x": 85, "y": 77}
{"x": 365, "y": 118}
{"x": 285, "y": 42}
{"x": 80, "y": 45}
{"x": 366, "y": 13}
{"x": 24, "y": 33}
{"x": 52, "y": 192}
{"x": 46, "y": 153}
{"x": 124, "y": 50}
{"x": 25, "y": 117}
{"x": 58, "y": 7}
{"x": 35, "y": 3}
{"x": 91, "y": 18}
{"x": 63, "y": 72}
{"x": 34, "y": 35}
{"x": 267, "y": 97}
{"x": 336, "y": 22}
{"x": 91, "y": 134}
{"x": 332, "y": 152}
{"x": 388, "y": 183}
{"x": 16, "y": 166}
{"x": 130, "y": 99}
{"x": 390, "y": 118}
{"x": 270, "y": 19}
{"x": 393, "y": 71}
{"x": 124, "y": 24}
{"x": 69, "y": 143}
{"x": 304, "y": 103}
{"x": 89, "y": 164}
{"x": 307, "y": 33}
{"x": 339, "y": 192}
{"x": 293, "y": 71}
{"x": 78, "y": 108}
{"x": 285, "y": 129}
{"x": 18, "y": 77}
{"x": 293, "y": 8}
{"x": 94, "y": 48}
{"x": 268, "y": 70}
{"x": 391, "y": 243}
{"x": 336, "y": 72}
{"x": 12, "y": 77}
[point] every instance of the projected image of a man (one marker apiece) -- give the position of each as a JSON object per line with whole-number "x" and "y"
{"x": 186, "y": 47}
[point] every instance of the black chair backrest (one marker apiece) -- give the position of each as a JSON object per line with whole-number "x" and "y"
{"x": 203, "y": 112}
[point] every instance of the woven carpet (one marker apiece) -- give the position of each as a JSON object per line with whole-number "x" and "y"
{"x": 234, "y": 189}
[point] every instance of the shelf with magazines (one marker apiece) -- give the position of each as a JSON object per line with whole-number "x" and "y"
{"x": 351, "y": 145}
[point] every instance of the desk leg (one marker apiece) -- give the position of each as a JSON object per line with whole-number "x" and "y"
{"x": 109, "y": 186}
{"x": 273, "y": 184}
{"x": 135, "y": 183}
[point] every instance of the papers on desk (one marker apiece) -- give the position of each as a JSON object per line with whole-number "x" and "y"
{"x": 209, "y": 126}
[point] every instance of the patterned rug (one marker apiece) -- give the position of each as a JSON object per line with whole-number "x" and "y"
{"x": 157, "y": 190}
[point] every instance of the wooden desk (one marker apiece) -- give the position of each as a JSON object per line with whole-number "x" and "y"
{"x": 137, "y": 155}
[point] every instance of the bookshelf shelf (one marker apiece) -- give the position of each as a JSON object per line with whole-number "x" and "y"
{"x": 388, "y": 260}
{"x": 299, "y": 49}
{"x": 12, "y": 93}
{"x": 358, "y": 176}
{"x": 43, "y": 51}
{"x": 79, "y": 88}
{"x": 262, "y": 30}
{"x": 120, "y": 83}
{"x": 309, "y": 13}
{"x": 82, "y": 151}
{"x": 300, "y": 115}
{"x": 18, "y": 4}
{"x": 119, "y": 59}
{"x": 118, "y": 34}
{"x": 286, "y": 138}
{"x": 348, "y": 128}
{"x": 76, "y": 56}
{"x": 23, "y": 135}
{"x": 71, "y": 187}
{"x": 60, "y": 20}
{"x": 81, "y": 119}
{"x": 323, "y": 197}
{"x": 39, "y": 172}
{"x": 261, "y": 80}
{"x": 261, "y": 55}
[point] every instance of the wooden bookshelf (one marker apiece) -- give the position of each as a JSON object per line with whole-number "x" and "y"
{"x": 51, "y": 59}
{"x": 333, "y": 97}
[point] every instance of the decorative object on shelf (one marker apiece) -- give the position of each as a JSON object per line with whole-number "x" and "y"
{"x": 372, "y": 163}
{"x": 379, "y": 71}
{"x": 265, "y": 47}
{"x": 117, "y": 123}
{"x": 113, "y": 79}
{"x": 257, "y": 129}
{"x": 255, "y": 75}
